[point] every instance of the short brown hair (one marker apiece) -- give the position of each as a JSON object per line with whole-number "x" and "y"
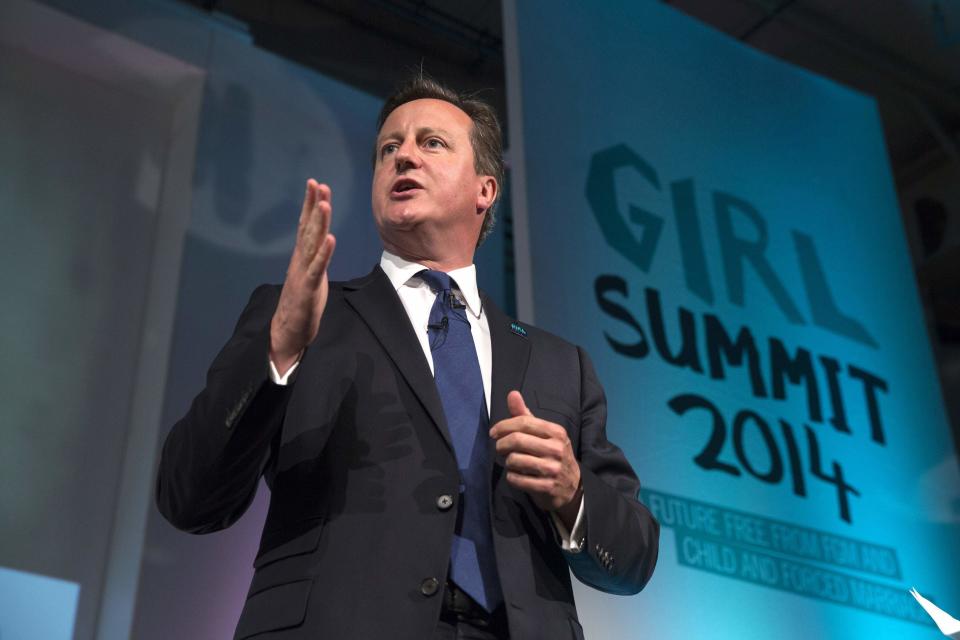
{"x": 485, "y": 137}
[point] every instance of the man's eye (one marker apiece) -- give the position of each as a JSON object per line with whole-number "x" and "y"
{"x": 388, "y": 148}
{"x": 434, "y": 143}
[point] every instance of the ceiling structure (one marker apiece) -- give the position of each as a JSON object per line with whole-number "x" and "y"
{"x": 906, "y": 53}
{"x": 373, "y": 44}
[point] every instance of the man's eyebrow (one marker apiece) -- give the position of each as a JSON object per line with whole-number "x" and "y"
{"x": 428, "y": 130}
{"x": 421, "y": 132}
{"x": 393, "y": 135}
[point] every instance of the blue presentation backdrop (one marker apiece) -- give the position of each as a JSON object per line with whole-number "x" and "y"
{"x": 720, "y": 231}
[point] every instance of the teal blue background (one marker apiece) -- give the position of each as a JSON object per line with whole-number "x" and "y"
{"x": 36, "y": 606}
{"x": 809, "y": 155}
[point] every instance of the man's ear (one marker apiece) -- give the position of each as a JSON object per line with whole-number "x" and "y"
{"x": 487, "y": 194}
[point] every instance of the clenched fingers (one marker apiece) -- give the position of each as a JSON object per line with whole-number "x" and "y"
{"x": 528, "y": 424}
{"x": 522, "y": 442}
{"x": 533, "y": 466}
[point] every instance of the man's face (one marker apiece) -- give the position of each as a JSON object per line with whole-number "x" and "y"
{"x": 424, "y": 177}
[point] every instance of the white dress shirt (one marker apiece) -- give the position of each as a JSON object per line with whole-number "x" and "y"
{"x": 417, "y": 299}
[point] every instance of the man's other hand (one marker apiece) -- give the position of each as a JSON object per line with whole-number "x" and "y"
{"x": 539, "y": 459}
{"x": 297, "y": 319}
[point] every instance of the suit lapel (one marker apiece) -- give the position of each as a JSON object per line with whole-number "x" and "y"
{"x": 511, "y": 353}
{"x": 375, "y": 300}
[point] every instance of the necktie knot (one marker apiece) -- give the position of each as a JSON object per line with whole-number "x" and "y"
{"x": 436, "y": 280}
{"x": 448, "y": 302}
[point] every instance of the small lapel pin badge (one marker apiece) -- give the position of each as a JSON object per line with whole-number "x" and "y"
{"x": 517, "y": 329}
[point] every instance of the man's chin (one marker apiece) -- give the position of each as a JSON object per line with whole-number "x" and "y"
{"x": 401, "y": 220}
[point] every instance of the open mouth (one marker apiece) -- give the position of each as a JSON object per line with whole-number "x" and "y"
{"x": 405, "y": 186}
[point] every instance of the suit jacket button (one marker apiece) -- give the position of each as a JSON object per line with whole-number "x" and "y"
{"x": 444, "y": 502}
{"x": 429, "y": 586}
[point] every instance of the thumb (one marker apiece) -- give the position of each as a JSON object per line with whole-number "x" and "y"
{"x": 516, "y": 405}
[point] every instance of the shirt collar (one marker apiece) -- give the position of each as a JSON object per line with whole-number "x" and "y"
{"x": 400, "y": 272}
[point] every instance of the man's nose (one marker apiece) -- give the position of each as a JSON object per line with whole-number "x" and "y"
{"x": 407, "y": 156}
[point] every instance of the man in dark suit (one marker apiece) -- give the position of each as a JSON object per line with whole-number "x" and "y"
{"x": 435, "y": 466}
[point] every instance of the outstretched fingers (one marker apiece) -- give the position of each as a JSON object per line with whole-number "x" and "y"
{"x": 314, "y": 226}
{"x": 309, "y": 198}
{"x": 318, "y": 266}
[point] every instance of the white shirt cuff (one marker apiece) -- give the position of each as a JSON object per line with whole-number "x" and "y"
{"x": 285, "y": 378}
{"x": 571, "y": 541}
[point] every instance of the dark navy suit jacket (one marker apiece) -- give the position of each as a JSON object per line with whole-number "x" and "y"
{"x": 357, "y": 455}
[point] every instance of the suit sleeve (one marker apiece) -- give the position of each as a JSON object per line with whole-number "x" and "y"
{"x": 213, "y": 457}
{"x": 620, "y": 551}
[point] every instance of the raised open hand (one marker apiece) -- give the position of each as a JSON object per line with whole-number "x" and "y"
{"x": 297, "y": 319}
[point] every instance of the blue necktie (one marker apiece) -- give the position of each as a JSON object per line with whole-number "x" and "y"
{"x": 457, "y": 374}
